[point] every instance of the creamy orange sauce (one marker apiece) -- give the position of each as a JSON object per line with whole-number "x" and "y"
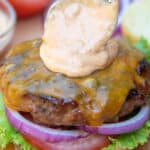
{"x": 76, "y": 34}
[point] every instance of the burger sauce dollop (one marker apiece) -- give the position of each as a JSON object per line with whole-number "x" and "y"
{"x": 76, "y": 36}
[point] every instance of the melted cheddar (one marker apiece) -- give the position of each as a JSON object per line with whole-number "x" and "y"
{"x": 99, "y": 96}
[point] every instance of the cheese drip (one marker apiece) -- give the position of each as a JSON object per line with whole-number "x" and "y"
{"x": 99, "y": 96}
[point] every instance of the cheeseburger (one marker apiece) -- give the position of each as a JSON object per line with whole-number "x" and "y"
{"x": 77, "y": 88}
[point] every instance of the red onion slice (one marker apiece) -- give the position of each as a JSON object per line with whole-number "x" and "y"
{"x": 25, "y": 126}
{"x": 122, "y": 127}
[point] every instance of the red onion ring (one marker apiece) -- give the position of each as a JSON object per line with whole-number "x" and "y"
{"x": 44, "y": 133}
{"x": 122, "y": 127}
{"x": 118, "y": 31}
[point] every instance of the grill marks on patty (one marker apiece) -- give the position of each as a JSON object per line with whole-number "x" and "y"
{"x": 52, "y": 111}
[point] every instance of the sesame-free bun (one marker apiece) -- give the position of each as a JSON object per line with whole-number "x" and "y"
{"x": 136, "y": 21}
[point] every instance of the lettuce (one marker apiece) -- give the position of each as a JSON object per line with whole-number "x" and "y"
{"x": 8, "y": 134}
{"x": 144, "y": 47}
{"x": 132, "y": 140}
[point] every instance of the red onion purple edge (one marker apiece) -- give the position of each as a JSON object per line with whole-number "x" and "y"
{"x": 122, "y": 127}
{"x": 25, "y": 126}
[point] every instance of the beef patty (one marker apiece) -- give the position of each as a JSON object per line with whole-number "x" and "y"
{"x": 54, "y": 99}
{"x": 45, "y": 111}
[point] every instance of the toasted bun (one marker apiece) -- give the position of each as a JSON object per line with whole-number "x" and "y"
{"x": 136, "y": 21}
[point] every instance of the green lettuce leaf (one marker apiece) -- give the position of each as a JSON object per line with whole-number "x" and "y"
{"x": 144, "y": 47}
{"x": 8, "y": 134}
{"x": 132, "y": 140}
